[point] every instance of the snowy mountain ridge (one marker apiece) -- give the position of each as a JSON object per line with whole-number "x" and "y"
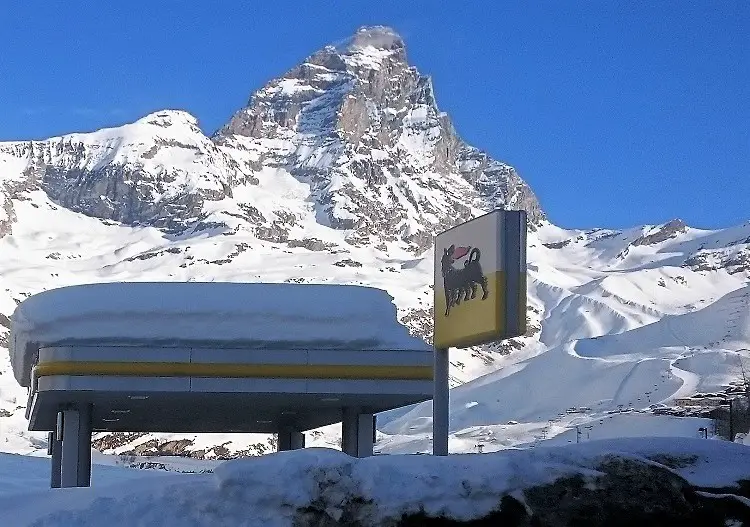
{"x": 354, "y": 124}
{"x": 341, "y": 171}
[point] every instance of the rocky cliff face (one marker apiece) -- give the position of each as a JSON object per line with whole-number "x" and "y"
{"x": 354, "y": 123}
{"x": 361, "y": 126}
{"x": 157, "y": 171}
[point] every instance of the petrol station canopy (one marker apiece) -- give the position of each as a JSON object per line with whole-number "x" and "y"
{"x": 207, "y": 357}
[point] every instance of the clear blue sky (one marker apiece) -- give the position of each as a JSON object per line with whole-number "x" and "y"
{"x": 616, "y": 113}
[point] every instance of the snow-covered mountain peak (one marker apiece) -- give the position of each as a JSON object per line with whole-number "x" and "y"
{"x": 134, "y": 142}
{"x": 174, "y": 124}
{"x": 379, "y": 37}
{"x": 159, "y": 170}
{"x": 661, "y": 233}
{"x": 354, "y": 128}
{"x": 170, "y": 118}
{"x": 362, "y": 128}
{"x": 369, "y": 47}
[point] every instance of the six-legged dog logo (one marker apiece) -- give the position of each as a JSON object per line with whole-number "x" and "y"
{"x": 461, "y": 283}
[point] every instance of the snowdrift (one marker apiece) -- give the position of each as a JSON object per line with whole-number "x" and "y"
{"x": 658, "y": 476}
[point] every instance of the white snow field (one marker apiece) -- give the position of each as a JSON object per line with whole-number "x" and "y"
{"x": 622, "y": 326}
{"x": 272, "y": 490}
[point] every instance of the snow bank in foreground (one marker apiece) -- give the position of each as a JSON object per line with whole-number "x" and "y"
{"x": 273, "y": 490}
{"x": 271, "y": 316}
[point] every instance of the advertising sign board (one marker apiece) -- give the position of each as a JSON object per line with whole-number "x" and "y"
{"x": 480, "y": 280}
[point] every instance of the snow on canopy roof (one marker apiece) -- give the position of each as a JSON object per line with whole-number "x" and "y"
{"x": 217, "y": 314}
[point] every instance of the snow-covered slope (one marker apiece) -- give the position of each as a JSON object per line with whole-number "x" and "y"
{"x": 636, "y": 481}
{"x": 340, "y": 171}
{"x": 583, "y": 382}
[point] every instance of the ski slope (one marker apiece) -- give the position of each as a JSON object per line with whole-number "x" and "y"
{"x": 609, "y": 335}
{"x": 584, "y": 381}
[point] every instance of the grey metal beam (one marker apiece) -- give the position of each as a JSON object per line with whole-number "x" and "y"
{"x": 357, "y": 432}
{"x": 84, "y": 446}
{"x": 290, "y": 440}
{"x": 349, "y": 430}
{"x": 440, "y": 404}
{"x": 55, "y": 450}
{"x": 297, "y": 440}
{"x": 283, "y": 441}
{"x": 364, "y": 435}
{"x": 69, "y": 465}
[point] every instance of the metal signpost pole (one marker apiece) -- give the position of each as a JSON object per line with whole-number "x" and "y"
{"x": 480, "y": 296}
{"x": 440, "y": 406}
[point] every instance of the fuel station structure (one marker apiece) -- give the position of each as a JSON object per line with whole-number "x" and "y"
{"x": 211, "y": 357}
{"x": 480, "y": 296}
{"x": 252, "y": 357}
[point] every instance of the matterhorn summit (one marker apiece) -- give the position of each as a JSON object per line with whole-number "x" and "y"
{"x": 361, "y": 126}
{"x": 354, "y": 124}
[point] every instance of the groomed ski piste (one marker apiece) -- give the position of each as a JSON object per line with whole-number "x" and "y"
{"x": 609, "y": 386}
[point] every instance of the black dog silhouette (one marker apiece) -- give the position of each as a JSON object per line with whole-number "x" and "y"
{"x": 461, "y": 284}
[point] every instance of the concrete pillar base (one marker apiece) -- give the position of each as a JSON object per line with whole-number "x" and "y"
{"x": 365, "y": 432}
{"x": 290, "y": 440}
{"x": 75, "y": 470}
{"x": 357, "y": 432}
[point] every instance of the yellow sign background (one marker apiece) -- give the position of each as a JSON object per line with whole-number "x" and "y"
{"x": 474, "y": 320}
{"x": 491, "y": 247}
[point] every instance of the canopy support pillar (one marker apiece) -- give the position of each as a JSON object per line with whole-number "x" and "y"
{"x": 76, "y": 447}
{"x": 54, "y": 449}
{"x": 357, "y": 431}
{"x": 290, "y": 440}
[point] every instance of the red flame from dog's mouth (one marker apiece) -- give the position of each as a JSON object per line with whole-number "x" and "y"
{"x": 460, "y": 252}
